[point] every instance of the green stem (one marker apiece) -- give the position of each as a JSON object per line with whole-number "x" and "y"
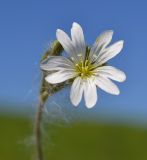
{"x": 38, "y": 134}
{"x": 45, "y": 91}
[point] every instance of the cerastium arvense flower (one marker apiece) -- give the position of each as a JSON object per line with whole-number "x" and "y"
{"x": 84, "y": 67}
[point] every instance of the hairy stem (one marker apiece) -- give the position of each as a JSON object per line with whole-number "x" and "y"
{"x": 45, "y": 91}
{"x": 38, "y": 134}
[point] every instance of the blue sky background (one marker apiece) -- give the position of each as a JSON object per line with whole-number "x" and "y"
{"x": 27, "y": 28}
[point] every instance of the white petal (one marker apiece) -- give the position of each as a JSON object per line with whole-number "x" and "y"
{"x": 109, "y": 52}
{"x": 60, "y": 76}
{"x": 78, "y": 39}
{"x": 112, "y": 73}
{"x": 66, "y": 42}
{"x": 90, "y": 93}
{"x": 106, "y": 85}
{"x": 105, "y": 38}
{"x": 101, "y": 42}
{"x": 56, "y": 63}
{"x": 76, "y": 91}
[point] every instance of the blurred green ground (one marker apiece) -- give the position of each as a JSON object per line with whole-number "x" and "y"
{"x": 79, "y": 141}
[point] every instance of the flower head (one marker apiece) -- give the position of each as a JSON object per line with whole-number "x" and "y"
{"x": 86, "y": 66}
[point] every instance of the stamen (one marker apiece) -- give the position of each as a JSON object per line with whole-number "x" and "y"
{"x": 86, "y": 62}
{"x": 82, "y": 74}
{"x": 84, "y": 68}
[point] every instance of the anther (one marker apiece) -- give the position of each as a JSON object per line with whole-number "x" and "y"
{"x": 82, "y": 74}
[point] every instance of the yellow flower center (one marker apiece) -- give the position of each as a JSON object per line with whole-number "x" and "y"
{"x": 84, "y": 69}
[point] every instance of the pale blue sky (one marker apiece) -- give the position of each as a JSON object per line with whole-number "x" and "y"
{"x": 27, "y": 27}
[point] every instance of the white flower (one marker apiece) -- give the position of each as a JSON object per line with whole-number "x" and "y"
{"x": 85, "y": 66}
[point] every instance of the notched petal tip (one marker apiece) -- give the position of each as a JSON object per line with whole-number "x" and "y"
{"x": 58, "y": 30}
{"x": 89, "y": 106}
{"x": 109, "y": 32}
{"x": 123, "y": 77}
{"x": 74, "y": 104}
{"x": 77, "y": 27}
{"x": 74, "y": 24}
{"x": 120, "y": 43}
{"x": 117, "y": 93}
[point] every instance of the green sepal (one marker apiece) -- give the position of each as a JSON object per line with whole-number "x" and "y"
{"x": 46, "y": 88}
{"x": 55, "y": 50}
